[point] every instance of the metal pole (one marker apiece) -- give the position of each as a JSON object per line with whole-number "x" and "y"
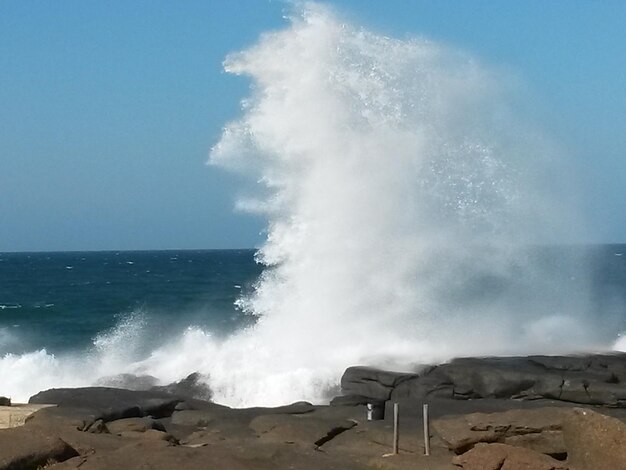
{"x": 426, "y": 431}
{"x": 396, "y": 430}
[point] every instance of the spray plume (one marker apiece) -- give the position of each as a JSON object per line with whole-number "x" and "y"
{"x": 402, "y": 195}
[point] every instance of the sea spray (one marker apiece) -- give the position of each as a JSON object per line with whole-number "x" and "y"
{"x": 401, "y": 193}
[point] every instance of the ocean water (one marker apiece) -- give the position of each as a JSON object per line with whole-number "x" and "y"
{"x": 92, "y": 304}
{"x": 63, "y": 301}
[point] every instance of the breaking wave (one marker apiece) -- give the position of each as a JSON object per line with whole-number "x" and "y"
{"x": 402, "y": 193}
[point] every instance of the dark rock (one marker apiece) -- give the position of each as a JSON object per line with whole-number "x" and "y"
{"x": 373, "y": 383}
{"x": 352, "y": 400}
{"x": 594, "y": 380}
{"x": 296, "y": 408}
{"x": 211, "y": 412}
{"x": 505, "y": 457}
{"x": 110, "y": 404}
{"x": 594, "y": 441}
{"x": 21, "y": 448}
{"x": 4, "y": 401}
{"x": 193, "y": 386}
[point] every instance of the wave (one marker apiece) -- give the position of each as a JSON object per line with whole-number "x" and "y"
{"x": 401, "y": 191}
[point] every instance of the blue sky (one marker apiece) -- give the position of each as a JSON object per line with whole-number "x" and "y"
{"x": 108, "y": 109}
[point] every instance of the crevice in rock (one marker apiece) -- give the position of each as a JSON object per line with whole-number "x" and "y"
{"x": 334, "y": 432}
{"x": 561, "y": 456}
{"x": 561, "y": 389}
{"x": 500, "y": 464}
{"x": 586, "y": 387}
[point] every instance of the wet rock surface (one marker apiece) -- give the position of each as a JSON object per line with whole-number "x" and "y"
{"x": 587, "y": 379}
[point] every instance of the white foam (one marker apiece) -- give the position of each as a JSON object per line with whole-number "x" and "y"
{"x": 399, "y": 188}
{"x": 620, "y": 343}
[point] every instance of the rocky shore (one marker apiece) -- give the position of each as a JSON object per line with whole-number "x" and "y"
{"x": 538, "y": 412}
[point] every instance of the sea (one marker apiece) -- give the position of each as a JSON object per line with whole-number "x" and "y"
{"x": 69, "y": 318}
{"x": 63, "y": 301}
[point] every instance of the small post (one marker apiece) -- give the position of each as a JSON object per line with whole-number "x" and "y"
{"x": 426, "y": 430}
{"x": 396, "y": 430}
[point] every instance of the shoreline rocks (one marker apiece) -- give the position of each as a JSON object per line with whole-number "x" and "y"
{"x": 598, "y": 379}
{"x": 500, "y": 413}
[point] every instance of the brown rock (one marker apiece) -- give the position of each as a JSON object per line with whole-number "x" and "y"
{"x": 152, "y": 434}
{"x": 538, "y": 429}
{"x": 304, "y": 429}
{"x": 97, "y": 427}
{"x": 21, "y": 448}
{"x": 505, "y": 457}
{"x": 159, "y": 455}
{"x": 594, "y": 441}
{"x": 134, "y": 425}
{"x": 544, "y": 442}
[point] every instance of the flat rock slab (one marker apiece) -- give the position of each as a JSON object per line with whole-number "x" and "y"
{"x": 159, "y": 455}
{"x": 134, "y": 425}
{"x": 15, "y": 415}
{"x": 594, "y": 441}
{"x": 597, "y": 379}
{"x": 307, "y": 430}
{"x": 110, "y": 404}
{"x": 505, "y": 457}
{"x": 538, "y": 429}
{"x": 376, "y": 384}
{"x": 21, "y": 448}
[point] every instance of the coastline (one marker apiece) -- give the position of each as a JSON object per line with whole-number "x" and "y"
{"x": 478, "y": 413}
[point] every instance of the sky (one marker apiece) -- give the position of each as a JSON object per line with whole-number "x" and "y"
{"x": 108, "y": 110}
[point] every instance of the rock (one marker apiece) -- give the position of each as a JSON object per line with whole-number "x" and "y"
{"x": 110, "y": 404}
{"x": 21, "y": 448}
{"x": 372, "y": 383}
{"x": 196, "y": 418}
{"x": 296, "y": 408}
{"x": 4, "y": 401}
{"x": 134, "y": 425}
{"x": 16, "y": 415}
{"x": 152, "y": 434}
{"x": 538, "y": 430}
{"x": 69, "y": 425}
{"x": 594, "y": 441}
{"x": 97, "y": 427}
{"x": 305, "y": 430}
{"x": 545, "y": 442}
{"x": 505, "y": 457}
{"x": 596, "y": 379}
{"x": 193, "y": 386}
{"x": 353, "y": 400}
{"x": 220, "y": 418}
{"x": 161, "y": 455}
